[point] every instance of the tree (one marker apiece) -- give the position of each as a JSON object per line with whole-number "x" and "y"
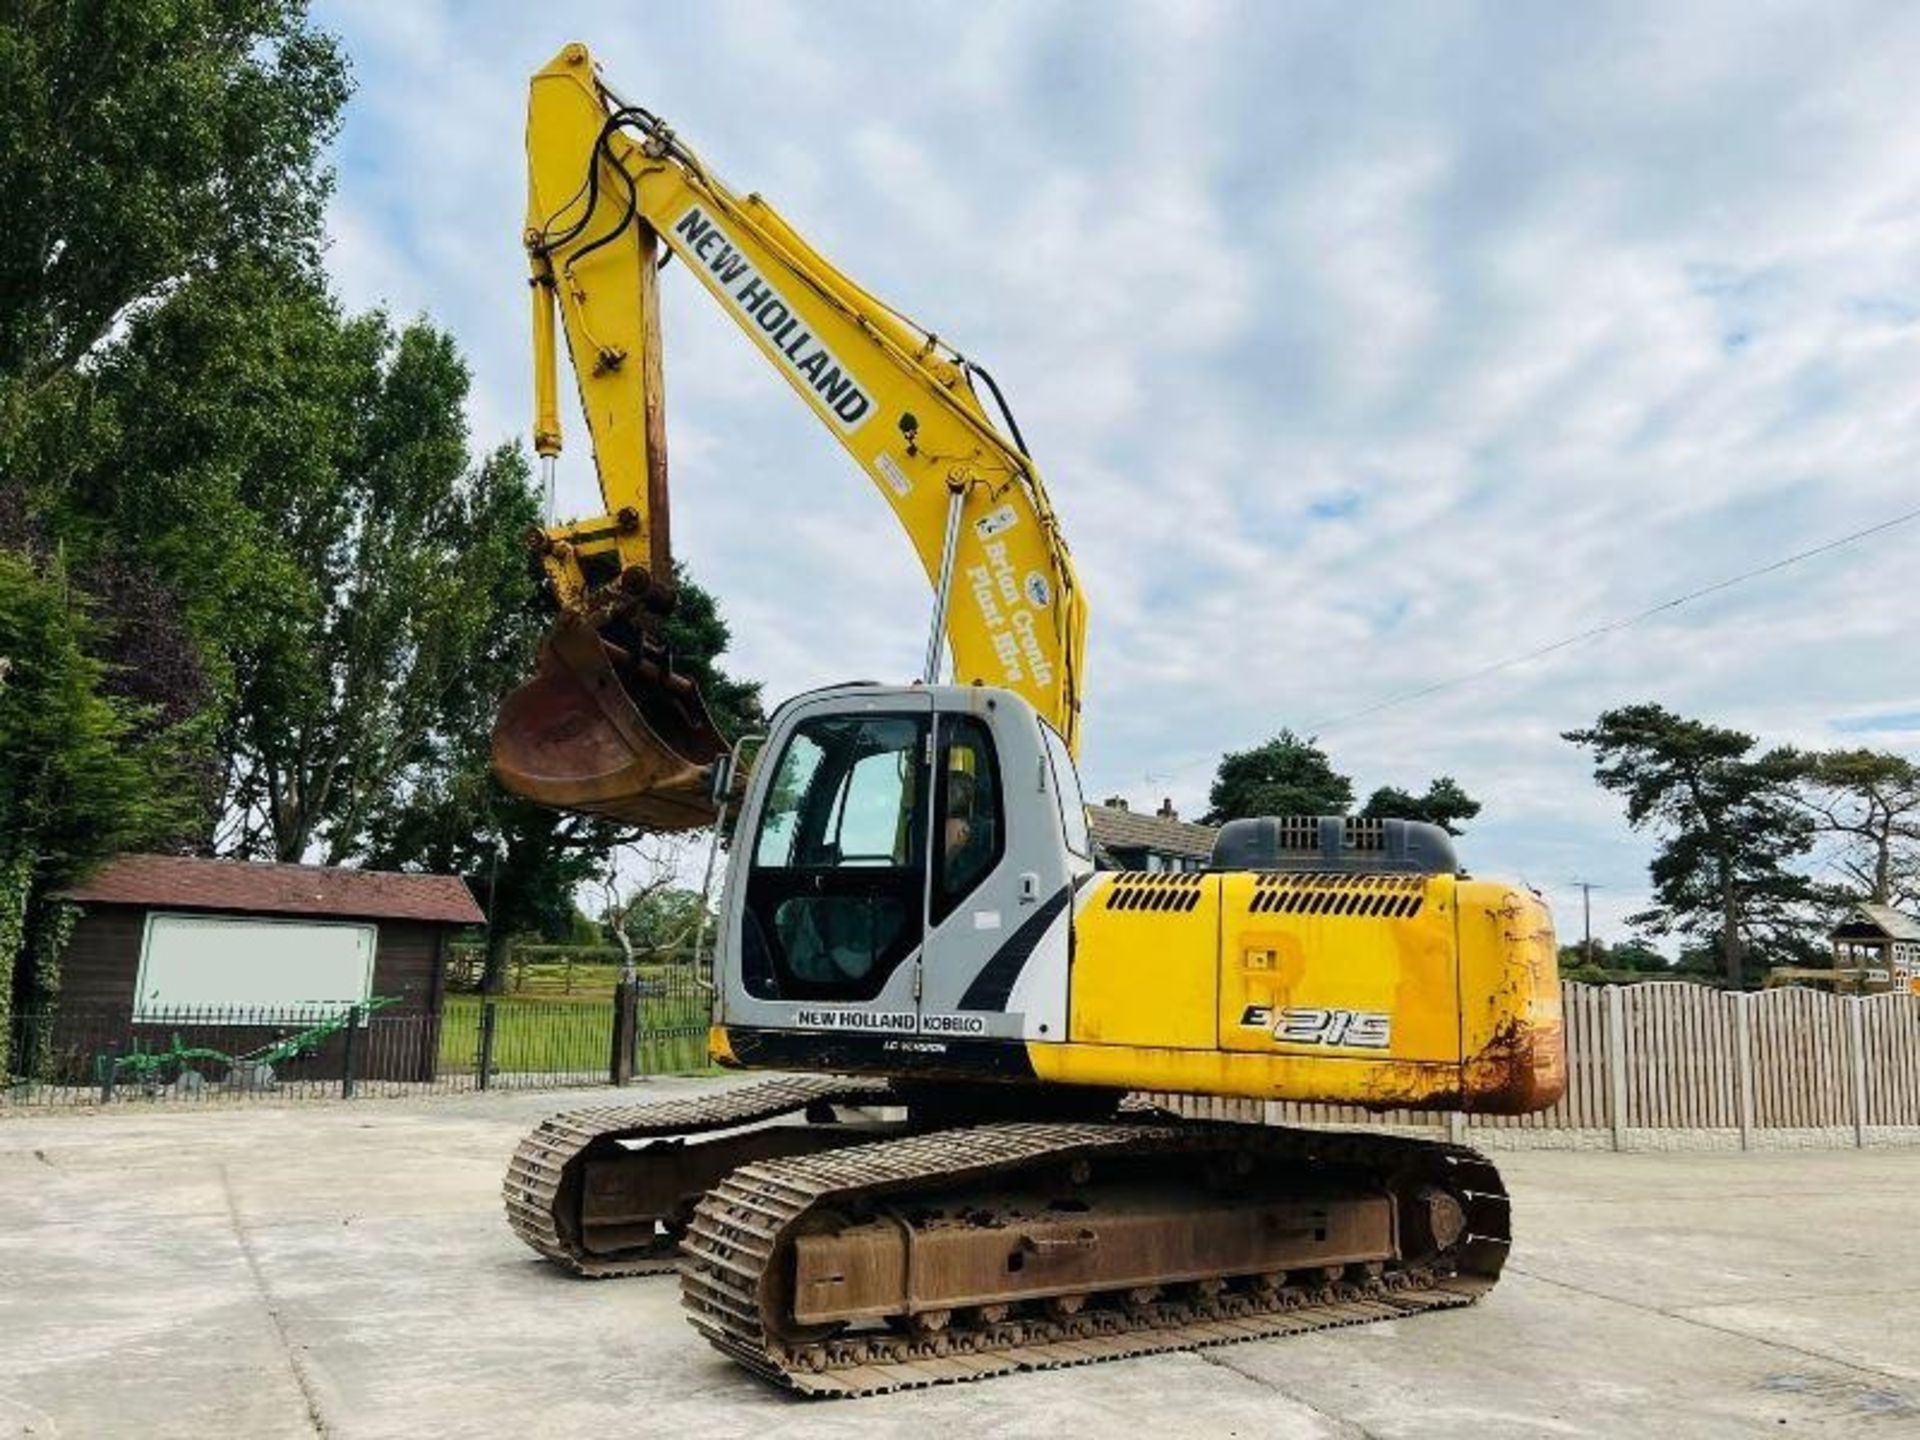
{"x": 313, "y": 504}
{"x": 292, "y": 568}
{"x": 1727, "y": 821}
{"x": 81, "y": 775}
{"x": 1445, "y": 804}
{"x": 1866, "y": 803}
{"x": 1292, "y": 776}
{"x": 1285, "y": 776}
{"x": 143, "y": 142}
{"x": 1637, "y": 954}
{"x": 1608, "y": 962}
{"x": 526, "y": 862}
{"x": 145, "y": 146}
{"x": 697, "y": 635}
{"x": 645, "y": 910}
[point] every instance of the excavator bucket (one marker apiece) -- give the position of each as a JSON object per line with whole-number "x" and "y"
{"x": 603, "y": 730}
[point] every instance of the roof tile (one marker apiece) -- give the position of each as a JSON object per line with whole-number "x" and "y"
{"x": 1890, "y": 921}
{"x": 197, "y": 884}
{"x": 1116, "y": 829}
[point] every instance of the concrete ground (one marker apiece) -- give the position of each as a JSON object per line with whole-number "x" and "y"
{"x": 344, "y": 1270}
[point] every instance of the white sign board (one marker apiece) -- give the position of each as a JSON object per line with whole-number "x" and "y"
{"x": 212, "y": 962}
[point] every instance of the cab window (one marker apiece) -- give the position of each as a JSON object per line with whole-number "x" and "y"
{"x": 1066, "y": 787}
{"x": 972, "y": 834}
{"x": 835, "y": 893}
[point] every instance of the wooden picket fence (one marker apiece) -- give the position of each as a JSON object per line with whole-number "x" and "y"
{"x": 1676, "y": 1057}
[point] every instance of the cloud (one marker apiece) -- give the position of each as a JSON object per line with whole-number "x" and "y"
{"x": 1359, "y": 349}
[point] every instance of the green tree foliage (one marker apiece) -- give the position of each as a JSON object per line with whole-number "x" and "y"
{"x": 143, "y": 142}
{"x": 1293, "y": 776}
{"x": 296, "y": 596}
{"x": 1637, "y": 955}
{"x": 1727, "y": 823}
{"x": 1286, "y": 776}
{"x": 1865, "y": 806}
{"x": 698, "y": 635}
{"x": 1630, "y": 959}
{"x": 80, "y": 775}
{"x": 313, "y": 505}
{"x": 145, "y": 146}
{"x": 1445, "y": 804}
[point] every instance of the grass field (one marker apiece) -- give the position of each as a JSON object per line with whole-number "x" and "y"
{"x": 546, "y": 1036}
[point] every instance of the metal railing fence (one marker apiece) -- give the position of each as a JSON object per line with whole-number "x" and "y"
{"x": 93, "y": 1054}
{"x": 1643, "y": 1061}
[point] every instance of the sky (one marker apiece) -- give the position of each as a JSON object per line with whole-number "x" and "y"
{"x": 1360, "y": 347}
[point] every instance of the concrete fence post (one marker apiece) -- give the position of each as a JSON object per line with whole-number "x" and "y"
{"x": 1617, "y": 1064}
{"x": 1857, "y": 1052}
{"x": 1743, "y": 1064}
{"x": 1456, "y": 1127}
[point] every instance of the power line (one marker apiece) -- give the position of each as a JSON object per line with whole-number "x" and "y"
{"x": 1608, "y": 627}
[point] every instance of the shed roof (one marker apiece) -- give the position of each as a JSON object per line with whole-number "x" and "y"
{"x": 1881, "y": 918}
{"x": 196, "y": 884}
{"x": 1117, "y": 829}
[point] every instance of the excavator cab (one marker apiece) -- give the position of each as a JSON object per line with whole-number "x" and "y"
{"x": 889, "y": 852}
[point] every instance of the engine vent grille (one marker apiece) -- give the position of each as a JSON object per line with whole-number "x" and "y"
{"x": 1362, "y": 897}
{"x": 1325, "y": 844}
{"x": 1365, "y": 834}
{"x": 1164, "y": 890}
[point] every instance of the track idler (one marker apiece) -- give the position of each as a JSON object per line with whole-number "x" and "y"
{"x": 605, "y": 1190}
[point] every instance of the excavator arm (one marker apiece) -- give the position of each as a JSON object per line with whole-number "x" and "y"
{"x": 607, "y": 725}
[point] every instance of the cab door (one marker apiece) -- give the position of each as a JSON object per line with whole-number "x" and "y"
{"x": 826, "y": 931}
{"x": 1000, "y": 885}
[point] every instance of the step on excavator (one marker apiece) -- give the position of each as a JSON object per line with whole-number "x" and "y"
{"x": 955, "y": 1172}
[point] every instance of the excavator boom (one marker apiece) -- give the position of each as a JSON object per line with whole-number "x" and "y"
{"x": 608, "y": 725}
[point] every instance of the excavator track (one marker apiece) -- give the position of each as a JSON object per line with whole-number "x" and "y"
{"x": 547, "y": 1181}
{"x": 746, "y": 1251}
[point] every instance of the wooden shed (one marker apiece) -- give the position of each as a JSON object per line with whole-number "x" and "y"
{"x": 162, "y": 937}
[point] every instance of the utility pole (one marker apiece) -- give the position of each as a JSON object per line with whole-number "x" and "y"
{"x": 1587, "y": 887}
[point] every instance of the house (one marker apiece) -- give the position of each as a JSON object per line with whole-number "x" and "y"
{"x": 1126, "y": 839}
{"x": 256, "y": 947}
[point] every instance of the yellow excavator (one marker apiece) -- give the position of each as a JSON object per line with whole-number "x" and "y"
{"x": 955, "y": 1173}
